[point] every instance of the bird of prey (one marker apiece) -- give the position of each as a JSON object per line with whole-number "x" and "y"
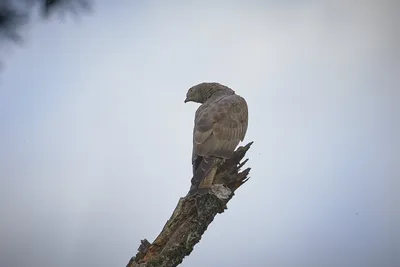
{"x": 220, "y": 124}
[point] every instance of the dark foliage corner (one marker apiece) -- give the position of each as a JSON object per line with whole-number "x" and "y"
{"x": 16, "y": 14}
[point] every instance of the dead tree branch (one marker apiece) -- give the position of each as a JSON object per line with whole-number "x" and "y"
{"x": 192, "y": 216}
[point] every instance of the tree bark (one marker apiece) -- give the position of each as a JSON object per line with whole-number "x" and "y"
{"x": 192, "y": 216}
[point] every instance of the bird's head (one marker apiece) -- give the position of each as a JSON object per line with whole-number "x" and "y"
{"x": 203, "y": 91}
{"x": 194, "y": 94}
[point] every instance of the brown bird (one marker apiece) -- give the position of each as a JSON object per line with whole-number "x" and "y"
{"x": 220, "y": 124}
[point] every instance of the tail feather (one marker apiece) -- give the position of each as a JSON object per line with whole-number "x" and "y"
{"x": 201, "y": 179}
{"x": 196, "y": 163}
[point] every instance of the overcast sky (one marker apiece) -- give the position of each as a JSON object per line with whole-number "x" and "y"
{"x": 95, "y": 140}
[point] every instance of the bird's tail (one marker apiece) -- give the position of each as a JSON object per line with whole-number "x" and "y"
{"x": 203, "y": 176}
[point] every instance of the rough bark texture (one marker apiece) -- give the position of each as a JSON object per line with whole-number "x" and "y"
{"x": 192, "y": 216}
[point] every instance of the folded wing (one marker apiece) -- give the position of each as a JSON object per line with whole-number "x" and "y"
{"x": 220, "y": 127}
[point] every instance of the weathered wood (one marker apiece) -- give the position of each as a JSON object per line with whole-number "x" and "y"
{"x": 192, "y": 216}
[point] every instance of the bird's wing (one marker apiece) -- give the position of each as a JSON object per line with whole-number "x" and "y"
{"x": 220, "y": 127}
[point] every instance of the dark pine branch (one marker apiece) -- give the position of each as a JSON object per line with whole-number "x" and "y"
{"x": 192, "y": 216}
{"x": 15, "y": 14}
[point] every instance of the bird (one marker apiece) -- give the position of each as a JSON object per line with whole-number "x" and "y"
{"x": 220, "y": 124}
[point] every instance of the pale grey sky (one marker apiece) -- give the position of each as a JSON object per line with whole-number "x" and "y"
{"x": 96, "y": 140}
